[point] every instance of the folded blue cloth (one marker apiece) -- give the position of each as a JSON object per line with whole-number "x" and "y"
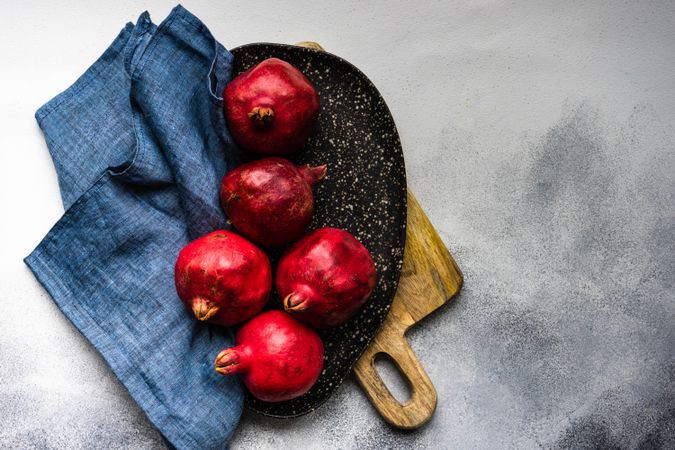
{"x": 140, "y": 146}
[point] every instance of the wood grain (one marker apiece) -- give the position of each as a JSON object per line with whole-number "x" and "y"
{"x": 430, "y": 277}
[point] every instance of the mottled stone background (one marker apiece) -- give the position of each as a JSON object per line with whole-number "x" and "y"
{"x": 540, "y": 139}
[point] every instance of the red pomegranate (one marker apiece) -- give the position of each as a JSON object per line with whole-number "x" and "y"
{"x": 223, "y": 278}
{"x": 270, "y": 200}
{"x": 277, "y": 357}
{"x": 271, "y": 108}
{"x": 325, "y": 277}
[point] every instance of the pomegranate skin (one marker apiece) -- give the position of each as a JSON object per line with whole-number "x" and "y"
{"x": 222, "y": 278}
{"x": 277, "y": 357}
{"x": 325, "y": 277}
{"x": 271, "y": 108}
{"x": 270, "y": 200}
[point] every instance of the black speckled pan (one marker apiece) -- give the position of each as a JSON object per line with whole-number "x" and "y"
{"x": 364, "y": 193}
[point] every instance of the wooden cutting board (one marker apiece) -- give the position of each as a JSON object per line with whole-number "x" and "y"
{"x": 430, "y": 277}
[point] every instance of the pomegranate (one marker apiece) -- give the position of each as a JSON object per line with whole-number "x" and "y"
{"x": 270, "y": 200}
{"x": 271, "y": 108}
{"x": 223, "y": 278}
{"x": 277, "y": 357}
{"x": 325, "y": 277}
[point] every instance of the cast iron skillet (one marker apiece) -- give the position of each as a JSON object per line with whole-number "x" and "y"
{"x": 364, "y": 193}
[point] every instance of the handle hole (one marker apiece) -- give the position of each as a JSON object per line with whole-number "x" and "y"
{"x": 397, "y": 383}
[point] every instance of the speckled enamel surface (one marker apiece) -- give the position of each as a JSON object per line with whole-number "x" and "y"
{"x": 364, "y": 193}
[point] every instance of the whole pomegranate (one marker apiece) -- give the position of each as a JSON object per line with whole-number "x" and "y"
{"x": 270, "y": 200}
{"x": 277, "y": 357}
{"x": 325, "y": 277}
{"x": 223, "y": 278}
{"x": 271, "y": 108}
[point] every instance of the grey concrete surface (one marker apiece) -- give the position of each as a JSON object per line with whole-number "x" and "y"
{"x": 540, "y": 139}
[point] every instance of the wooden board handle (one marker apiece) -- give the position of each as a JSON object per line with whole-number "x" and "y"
{"x": 429, "y": 278}
{"x": 421, "y": 405}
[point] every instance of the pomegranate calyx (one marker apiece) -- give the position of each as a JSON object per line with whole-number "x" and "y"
{"x": 203, "y": 309}
{"x": 261, "y": 116}
{"x": 295, "y": 302}
{"x": 227, "y": 362}
{"x": 313, "y": 174}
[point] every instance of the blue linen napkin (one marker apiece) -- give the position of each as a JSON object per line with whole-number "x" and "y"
{"x": 140, "y": 146}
